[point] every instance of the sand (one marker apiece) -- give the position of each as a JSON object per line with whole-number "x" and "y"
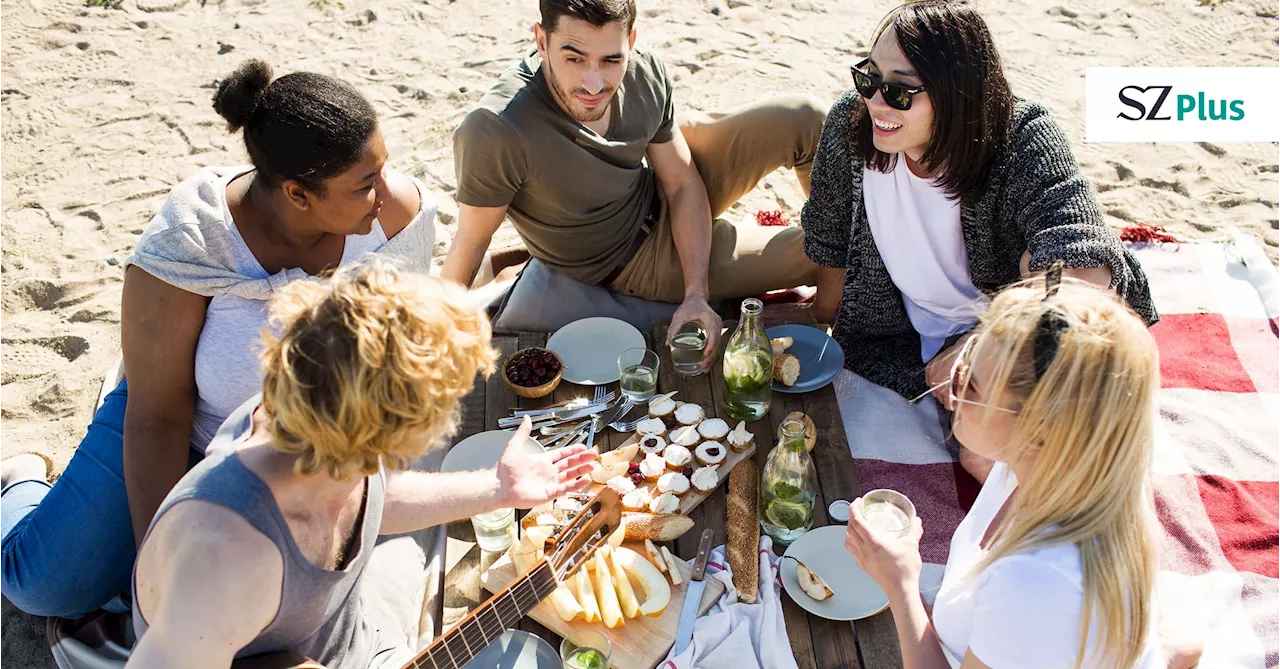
{"x": 103, "y": 110}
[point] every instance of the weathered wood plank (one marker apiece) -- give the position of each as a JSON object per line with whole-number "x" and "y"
{"x": 877, "y": 639}
{"x": 834, "y": 646}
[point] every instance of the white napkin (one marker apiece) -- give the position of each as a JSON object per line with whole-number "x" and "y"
{"x": 734, "y": 635}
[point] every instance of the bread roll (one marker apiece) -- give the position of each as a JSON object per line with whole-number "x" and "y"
{"x": 810, "y": 431}
{"x": 786, "y": 369}
{"x": 665, "y": 527}
{"x": 742, "y": 532}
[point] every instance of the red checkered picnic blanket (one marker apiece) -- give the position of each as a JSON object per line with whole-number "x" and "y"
{"x": 1217, "y": 456}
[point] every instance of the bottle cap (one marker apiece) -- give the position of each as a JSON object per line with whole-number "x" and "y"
{"x": 839, "y": 510}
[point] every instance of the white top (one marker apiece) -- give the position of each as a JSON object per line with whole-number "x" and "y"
{"x": 227, "y": 367}
{"x": 192, "y": 243}
{"x": 917, "y": 231}
{"x": 1022, "y": 611}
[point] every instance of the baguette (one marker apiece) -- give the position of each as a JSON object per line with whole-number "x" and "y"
{"x": 786, "y": 369}
{"x": 781, "y": 344}
{"x": 742, "y": 532}
{"x": 666, "y": 527}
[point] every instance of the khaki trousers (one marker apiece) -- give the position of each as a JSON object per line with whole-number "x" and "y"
{"x": 733, "y": 152}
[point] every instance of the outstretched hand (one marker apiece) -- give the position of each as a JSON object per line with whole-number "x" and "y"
{"x": 527, "y": 479}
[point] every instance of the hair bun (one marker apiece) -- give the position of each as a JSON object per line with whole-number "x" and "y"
{"x": 239, "y": 92}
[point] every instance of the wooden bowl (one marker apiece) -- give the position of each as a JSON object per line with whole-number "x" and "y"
{"x": 532, "y": 392}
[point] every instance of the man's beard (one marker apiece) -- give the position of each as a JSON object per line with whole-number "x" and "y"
{"x": 568, "y": 101}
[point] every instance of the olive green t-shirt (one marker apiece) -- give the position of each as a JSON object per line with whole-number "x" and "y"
{"x": 577, "y": 198}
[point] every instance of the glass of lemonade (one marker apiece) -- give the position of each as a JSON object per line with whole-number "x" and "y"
{"x": 638, "y": 373}
{"x": 585, "y": 649}
{"x": 888, "y": 512}
{"x": 689, "y": 348}
{"x": 491, "y": 529}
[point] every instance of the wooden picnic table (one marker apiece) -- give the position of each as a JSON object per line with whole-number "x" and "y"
{"x": 816, "y": 642}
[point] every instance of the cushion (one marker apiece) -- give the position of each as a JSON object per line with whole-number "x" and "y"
{"x": 544, "y": 300}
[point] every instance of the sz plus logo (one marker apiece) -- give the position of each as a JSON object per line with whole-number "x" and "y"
{"x": 1182, "y": 104}
{"x": 1137, "y": 99}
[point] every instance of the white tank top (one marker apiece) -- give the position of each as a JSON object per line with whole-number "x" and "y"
{"x": 227, "y": 370}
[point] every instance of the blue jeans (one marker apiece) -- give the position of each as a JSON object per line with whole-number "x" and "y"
{"x": 68, "y": 548}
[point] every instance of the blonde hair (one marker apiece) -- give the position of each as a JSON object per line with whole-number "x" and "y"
{"x": 367, "y": 365}
{"x": 1088, "y": 421}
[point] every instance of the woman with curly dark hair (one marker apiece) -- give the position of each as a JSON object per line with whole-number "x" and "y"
{"x": 318, "y": 194}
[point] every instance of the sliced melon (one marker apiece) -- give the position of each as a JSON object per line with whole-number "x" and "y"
{"x": 566, "y": 605}
{"x": 606, "y": 595}
{"x": 656, "y": 591}
{"x": 587, "y": 595}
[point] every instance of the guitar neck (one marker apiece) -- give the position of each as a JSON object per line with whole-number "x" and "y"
{"x": 486, "y": 623}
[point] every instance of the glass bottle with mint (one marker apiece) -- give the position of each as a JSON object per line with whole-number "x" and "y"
{"x": 748, "y": 366}
{"x": 788, "y": 486}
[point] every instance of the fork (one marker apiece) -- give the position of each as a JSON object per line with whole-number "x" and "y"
{"x": 625, "y": 427}
{"x": 595, "y": 420}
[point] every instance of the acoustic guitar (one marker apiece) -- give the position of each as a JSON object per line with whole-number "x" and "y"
{"x": 565, "y": 553}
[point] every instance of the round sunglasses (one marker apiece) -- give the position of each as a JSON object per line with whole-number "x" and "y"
{"x": 957, "y": 383}
{"x": 895, "y": 95}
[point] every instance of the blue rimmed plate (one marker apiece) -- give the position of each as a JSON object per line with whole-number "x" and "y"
{"x": 821, "y": 358}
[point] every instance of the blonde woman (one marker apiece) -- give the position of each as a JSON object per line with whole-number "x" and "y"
{"x": 1055, "y": 563}
{"x": 261, "y": 547}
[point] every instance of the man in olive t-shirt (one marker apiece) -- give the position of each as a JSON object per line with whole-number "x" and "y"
{"x": 578, "y": 144}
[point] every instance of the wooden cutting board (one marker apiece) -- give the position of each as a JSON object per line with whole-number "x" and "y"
{"x": 690, "y": 500}
{"x": 643, "y": 641}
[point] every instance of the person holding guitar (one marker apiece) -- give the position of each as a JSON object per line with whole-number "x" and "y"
{"x": 261, "y": 547}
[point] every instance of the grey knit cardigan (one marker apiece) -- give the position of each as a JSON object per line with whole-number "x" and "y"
{"x": 1036, "y": 198}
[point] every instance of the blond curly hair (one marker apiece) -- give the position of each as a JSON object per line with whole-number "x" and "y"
{"x": 368, "y": 366}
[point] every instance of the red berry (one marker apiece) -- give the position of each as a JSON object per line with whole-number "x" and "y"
{"x": 633, "y": 467}
{"x": 637, "y": 478}
{"x": 687, "y": 471}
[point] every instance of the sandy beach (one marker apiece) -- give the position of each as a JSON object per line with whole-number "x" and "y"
{"x": 104, "y": 110}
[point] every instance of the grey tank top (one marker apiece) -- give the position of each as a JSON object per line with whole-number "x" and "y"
{"x": 320, "y": 614}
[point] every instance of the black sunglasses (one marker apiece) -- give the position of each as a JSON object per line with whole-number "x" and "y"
{"x": 895, "y": 95}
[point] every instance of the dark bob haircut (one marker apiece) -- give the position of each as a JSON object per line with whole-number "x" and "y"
{"x": 595, "y": 12}
{"x": 948, "y": 44}
{"x": 304, "y": 127}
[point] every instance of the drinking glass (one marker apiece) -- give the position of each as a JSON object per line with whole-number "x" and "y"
{"x": 688, "y": 348}
{"x": 888, "y": 512}
{"x": 491, "y": 529}
{"x": 585, "y": 649}
{"x": 638, "y": 373}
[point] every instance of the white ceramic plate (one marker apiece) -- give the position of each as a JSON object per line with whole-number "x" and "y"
{"x": 590, "y": 348}
{"x": 481, "y": 451}
{"x": 516, "y": 650}
{"x": 822, "y": 550}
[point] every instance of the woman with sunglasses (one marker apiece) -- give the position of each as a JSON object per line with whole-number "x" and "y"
{"x": 934, "y": 187}
{"x": 1055, "y": 564}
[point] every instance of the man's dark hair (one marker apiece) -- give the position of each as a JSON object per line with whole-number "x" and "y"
{"x": 948, "y": 44}
{"x": 595, "y": 12}
{"x": 304, "y": 126}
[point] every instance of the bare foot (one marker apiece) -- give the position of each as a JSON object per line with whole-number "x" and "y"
{"x": 24, "y": 467}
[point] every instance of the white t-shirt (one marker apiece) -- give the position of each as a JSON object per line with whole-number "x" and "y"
{"x": 1024, "y": 610}
{"x": 917, "y": 231}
